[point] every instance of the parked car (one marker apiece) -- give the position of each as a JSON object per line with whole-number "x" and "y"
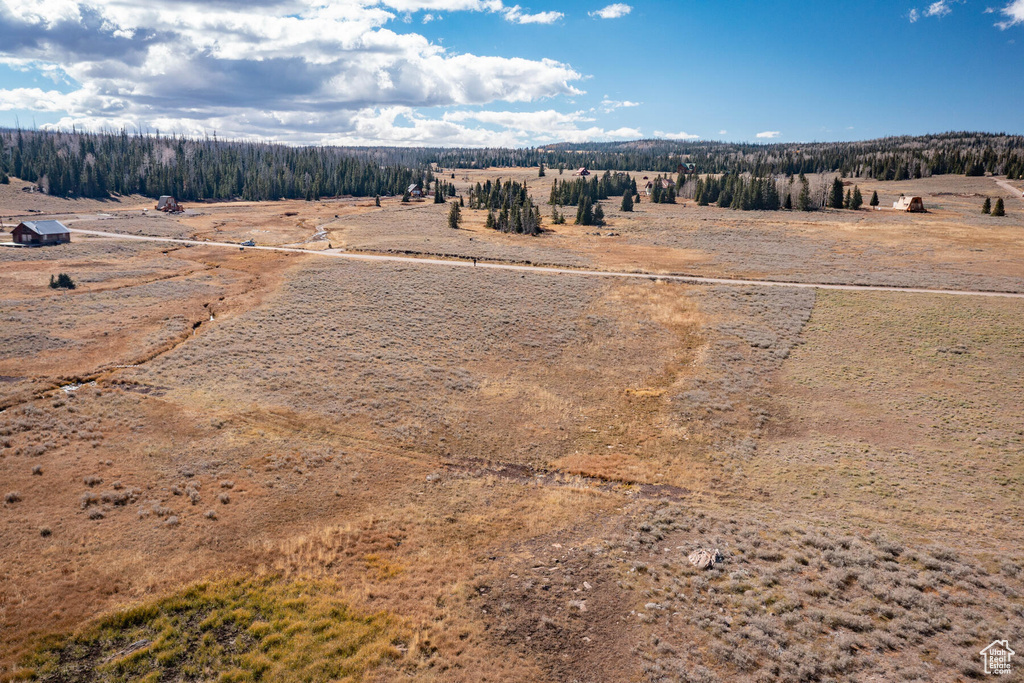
{"x": 249, "y": 243}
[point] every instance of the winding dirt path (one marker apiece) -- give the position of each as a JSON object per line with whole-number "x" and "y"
{"x": 690, "y": 279}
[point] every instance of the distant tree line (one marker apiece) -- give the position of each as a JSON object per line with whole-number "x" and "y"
{"x": 509, "y": 207}
{"x": 96, "y": 164}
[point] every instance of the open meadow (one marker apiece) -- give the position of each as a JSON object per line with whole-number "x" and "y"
{"x": 239, "y": 464}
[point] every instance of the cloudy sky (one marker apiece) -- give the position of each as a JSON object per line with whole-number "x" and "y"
{"x": 491, "y": 72}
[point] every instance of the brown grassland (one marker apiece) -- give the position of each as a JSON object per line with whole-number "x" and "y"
{"x": 237, "y": 465}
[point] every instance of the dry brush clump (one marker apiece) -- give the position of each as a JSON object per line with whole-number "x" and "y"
{"x": 802, "y": 602}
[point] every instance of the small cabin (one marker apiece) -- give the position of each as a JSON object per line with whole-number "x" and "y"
{"x": 168, "y": 204}
{"x": 582, "y": 172}
{"x": 909, "y": 204}
{"x": 40, "y": 233}
{"x": 415, "y": 190}
{"x": 664, "y": 182}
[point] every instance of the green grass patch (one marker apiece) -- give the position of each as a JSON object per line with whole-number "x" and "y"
{"x": 266, "y": 629}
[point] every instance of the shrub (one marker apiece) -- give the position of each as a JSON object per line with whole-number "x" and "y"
{"x": 12, "y": 497}
{"x": 986, "y": 206}
{"x": 62, "y": 281}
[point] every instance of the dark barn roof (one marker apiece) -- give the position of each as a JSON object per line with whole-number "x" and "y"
{"x": 46, "y": 227}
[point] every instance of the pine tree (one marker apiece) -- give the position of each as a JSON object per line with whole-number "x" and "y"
{"x": 585, "y": 212}
{"x": 788, "y": 205}
{"x": 405, "y": 198}
{"x": 376, "y": 200}
{"x": 998, "y": 209}
{"x": 454, "y": 216}
{"x": 627, "y": 202}
{"x": 540, "y": 173}
{"x": 986, "y": 206}
{"x": 848, "y": 199}
{"x": 439, "y": 193}
{"x": 857, "y": 200}
{"x": 598, "y": 215}
{"x": 835, "y": 200}
{"x": 803, "y": 200}
{"x": 874, "y": 198}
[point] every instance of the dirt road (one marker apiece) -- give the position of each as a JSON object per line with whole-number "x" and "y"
{"x": 1007, "y": 186}
{"x": 335, "y": 253}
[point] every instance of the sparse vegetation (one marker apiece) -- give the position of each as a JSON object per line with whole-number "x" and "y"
{"x": 243, "y": 630}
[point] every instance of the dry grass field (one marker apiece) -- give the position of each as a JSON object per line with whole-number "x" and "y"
{"x": 235, "y": 465}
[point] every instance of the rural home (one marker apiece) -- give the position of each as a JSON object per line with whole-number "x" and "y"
{"x": 40, "y": 233}
{"x": 665, "y": 184}
{"x": 415, "y": 191}
{"x": 909, "y": 204}
{"x": 582, "y": 172}
{"x": 169, "y": 204}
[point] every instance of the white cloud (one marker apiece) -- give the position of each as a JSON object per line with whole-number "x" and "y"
{"x": 609, "y": 105}
{"x": 938, "y": 9}
{"x": 290, "y": 70}
{"x": 516, "y": 15}
{"x": 533, "y": 121}
{"x": 769, "y": 134}
{"x": 675, "y": 136}
{"x": 613, "y": 11}
{"x": 723, "y": 132}
{"x": 1015, "y": 13}
{"x": 543, "y": 126}
{"x": 913, "y": 16}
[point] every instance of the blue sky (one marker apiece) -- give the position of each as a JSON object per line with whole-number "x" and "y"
{"x": 488, "y": 72}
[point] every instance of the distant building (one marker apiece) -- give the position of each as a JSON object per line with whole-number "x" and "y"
{"x": 415, "y": 191}
{"x": 582, "y": 172}
{"x": 41, "y": 233}
{"x": 909, "y": 204}
{"x": 665, "y": 184}
{"x": 169, "y": 204}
